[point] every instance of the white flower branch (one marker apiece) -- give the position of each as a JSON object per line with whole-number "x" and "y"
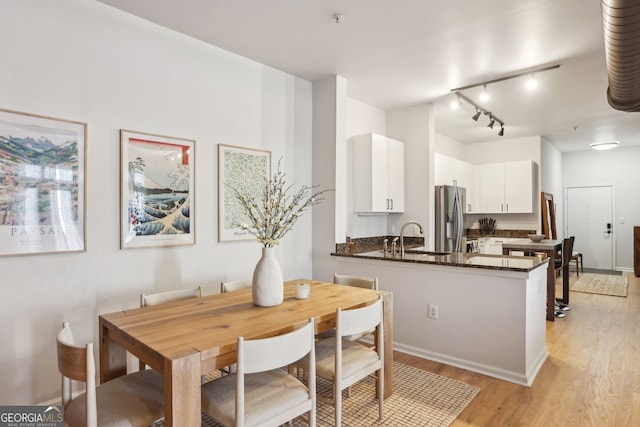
{"x": 271, "y": 215}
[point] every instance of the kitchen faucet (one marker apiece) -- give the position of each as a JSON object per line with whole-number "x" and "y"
{"x": 402, "y": 234}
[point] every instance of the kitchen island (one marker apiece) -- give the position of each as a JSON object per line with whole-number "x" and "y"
{"x": 484, "y": 313}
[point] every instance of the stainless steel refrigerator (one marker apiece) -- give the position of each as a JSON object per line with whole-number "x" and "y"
{"x": 450, "y": 209}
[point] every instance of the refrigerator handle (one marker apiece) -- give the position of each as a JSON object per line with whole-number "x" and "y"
{"x": 459, "y": 226}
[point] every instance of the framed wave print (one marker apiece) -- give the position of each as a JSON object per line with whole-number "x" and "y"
{"x": 157, "y": 190}
{"x": 247, "y": 170}
{"x": 42, "y": 184}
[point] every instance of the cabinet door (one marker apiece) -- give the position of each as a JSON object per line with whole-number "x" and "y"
{"x": 491, "y": 188}
{"x": 518, "y": 190}
{"x": 395, "y": 155}
{"x": 379, "y": 174}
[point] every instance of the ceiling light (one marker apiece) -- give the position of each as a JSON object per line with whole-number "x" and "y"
{"x": 476, "y": 115}
{"x": 501, "y": 133}
{"x": 484, "y": 96}
{"x": 604, "y": 145}
{"x": 492, "y": 122}
{"x": 532, "y": 82}
{"x": 455, "y": 104}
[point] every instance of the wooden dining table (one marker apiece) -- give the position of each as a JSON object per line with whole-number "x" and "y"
{"x": 185, "y": 339}
{"x": 549, "y": 247}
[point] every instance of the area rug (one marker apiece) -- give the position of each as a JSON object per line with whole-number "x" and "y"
{"x": 602, "y": 284}
{"x": 419, "y": 398}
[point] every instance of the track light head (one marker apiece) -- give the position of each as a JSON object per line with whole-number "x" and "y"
{"x": 501, "y": 133}
{"x": 476, "y": 116}
{"x": 491, "y": 122}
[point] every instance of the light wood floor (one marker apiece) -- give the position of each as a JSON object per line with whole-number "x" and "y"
{"x": 591, "y": 378}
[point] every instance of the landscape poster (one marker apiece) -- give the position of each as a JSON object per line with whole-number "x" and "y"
{"x": 157, "y": 190}
{"x": 42, "y": 184}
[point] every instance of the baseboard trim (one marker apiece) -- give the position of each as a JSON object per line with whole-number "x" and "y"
{"x": 523, "y": 379}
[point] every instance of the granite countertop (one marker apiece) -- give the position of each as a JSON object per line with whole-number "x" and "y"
{"x": 469, "y": 260}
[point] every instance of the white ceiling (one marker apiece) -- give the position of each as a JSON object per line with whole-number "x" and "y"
{"x": 407, "y": 52}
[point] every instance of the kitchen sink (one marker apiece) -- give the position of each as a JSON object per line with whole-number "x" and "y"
{"x": 424, "y": 251}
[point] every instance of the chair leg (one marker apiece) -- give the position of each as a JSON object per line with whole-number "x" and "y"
{"x": 581, "y": 264}
{"x": 337, "y": 399}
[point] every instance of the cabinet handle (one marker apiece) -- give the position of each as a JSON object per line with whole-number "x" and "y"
{"x": 507, "y": 207}
{"x": 387, "y": 204}
{"x": 501, "y": 208}
{"x": 391, "y": 204}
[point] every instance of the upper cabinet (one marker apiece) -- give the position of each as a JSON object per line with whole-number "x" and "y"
{"x": 451, "y": 171}
{"x": 506, "y": 187}
{"x": 378, "y": 174}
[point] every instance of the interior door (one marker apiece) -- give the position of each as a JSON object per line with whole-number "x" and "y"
{"x": 590, "y": 219}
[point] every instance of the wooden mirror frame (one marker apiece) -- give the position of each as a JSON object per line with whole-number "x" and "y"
{"x": 548, "y": 216}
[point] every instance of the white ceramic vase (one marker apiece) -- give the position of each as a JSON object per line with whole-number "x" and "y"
{"x": 268, "y": 286}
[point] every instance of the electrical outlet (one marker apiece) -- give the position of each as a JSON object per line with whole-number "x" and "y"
{"x": 433, "y": 311}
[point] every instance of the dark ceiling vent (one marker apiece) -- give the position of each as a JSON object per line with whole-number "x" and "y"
{"x": 621, "y": 22}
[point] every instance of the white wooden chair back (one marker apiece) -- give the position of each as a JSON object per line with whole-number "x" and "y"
{"x": 169, "y": 296}
{"x": 133, "y": 399}
{"x": 77, "y": 363}
{"x": 261, "y": 366}
{"x": 359, "y": 281}
{"x": 349, "y": 322}
{"x": 235, "y": 285}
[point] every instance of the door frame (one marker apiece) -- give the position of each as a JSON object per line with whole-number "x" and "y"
{"x": 614, "y": 229}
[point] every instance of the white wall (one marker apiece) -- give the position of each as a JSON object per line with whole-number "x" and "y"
{"x": 618, "y": 167}
{"x": 81, "y": 60}
{"x": 551, "y": 181}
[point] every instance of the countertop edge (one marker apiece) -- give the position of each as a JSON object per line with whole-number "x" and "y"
{"x": 447, "y": 262}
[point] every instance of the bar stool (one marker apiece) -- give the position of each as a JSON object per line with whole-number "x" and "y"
{"x": 577, "y": 257}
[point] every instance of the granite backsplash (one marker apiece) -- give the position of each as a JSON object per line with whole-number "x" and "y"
{"x": 367, "y": 244}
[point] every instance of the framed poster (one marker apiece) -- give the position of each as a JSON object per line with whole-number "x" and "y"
{"x": 42, "y": 184}
{"x": 247, "y": 170}
{"x": 157, "y": 190}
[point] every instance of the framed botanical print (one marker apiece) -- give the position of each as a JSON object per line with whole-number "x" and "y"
{"x": 246, "y": 170}
{"x": 42, "y": 184}
{"x": 157, "y": 190}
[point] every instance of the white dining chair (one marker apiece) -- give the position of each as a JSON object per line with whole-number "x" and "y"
{"x": 235, "y": 285}
{"x": 135, "y": 399}
{"x": 360, "y": 282}
{"x": 345, "y": 362}
{"x": 168, "y": 296}
{"x": 262, "y": 392}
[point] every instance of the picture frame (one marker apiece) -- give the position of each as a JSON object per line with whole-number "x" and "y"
{"x": 247, "y": 170}
{"x": 42, "y": 184}
{"x": 157, "y": 188}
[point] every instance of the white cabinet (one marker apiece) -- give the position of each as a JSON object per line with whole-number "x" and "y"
{"x": 378, "y": 174}
{"x": 493, "y": 245}
{"x": 506, "y": 187}
{"x": 448, "y": 169}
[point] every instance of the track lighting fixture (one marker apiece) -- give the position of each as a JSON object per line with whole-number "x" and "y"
{"x": 530, "y": 71}
{"x": 479, "y": 111}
